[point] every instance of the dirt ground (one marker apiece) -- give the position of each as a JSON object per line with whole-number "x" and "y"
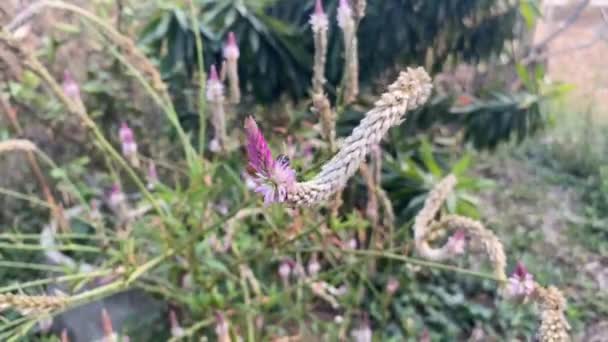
{"x": 579, "y": 56}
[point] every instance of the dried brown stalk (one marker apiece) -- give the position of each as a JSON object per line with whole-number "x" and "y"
{"x": 56, "y": 209}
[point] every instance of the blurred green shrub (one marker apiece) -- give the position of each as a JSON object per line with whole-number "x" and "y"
{"x": 276, "y": 44}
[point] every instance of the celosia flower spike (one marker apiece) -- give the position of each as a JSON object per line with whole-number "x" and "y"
{"x": 520, "y": 283}
{"x": 232, "y": 53}
{"x": 231, "y": 49}
{"x": 258, "y": 152}
{"x": 128, "y": 144}
{"x": 319, "y": 7}
{"x": 273, "y": 178}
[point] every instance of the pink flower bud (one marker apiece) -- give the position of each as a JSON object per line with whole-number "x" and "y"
{"x": 456, "y": 242}
{"x": 392, "y": 285}
{"x": 345, "y": 14}
{"x": 70, "y": 86}
{"x": 318, "y": 19}
{"x": 127, "y": 140}
{"x": 285, "y": 269}
{"x": 115, "y": 196}
{"x": 231, "y": 48}
{"x": 520, "y": 283}
{"x": 222, "y": 327}
{"x": 313, "y": 267}
{"x": 319, "y": 7}
{"x": 106, "y": 324}
{"x": 176, "y": 329}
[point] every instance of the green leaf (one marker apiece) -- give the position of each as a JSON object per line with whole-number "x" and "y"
{"x": 426, "y": 152}
{"x": 462, "y": 165}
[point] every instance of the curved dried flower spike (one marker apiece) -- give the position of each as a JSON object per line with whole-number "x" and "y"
{"x": 411, "y": 90}
{"x": 553, "y": 327}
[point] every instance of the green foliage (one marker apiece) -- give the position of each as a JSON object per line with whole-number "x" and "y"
{"x": 276, "y": 42}
{"x": 412, "y": 172}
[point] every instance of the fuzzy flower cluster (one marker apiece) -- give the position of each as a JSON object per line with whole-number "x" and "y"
{"x": 273, "y": 178}
{"x": 318, "y": 20}
{"x": 231, "y": 49}
{"x": 345, "y": 15}
{"x": 520, "y": 283}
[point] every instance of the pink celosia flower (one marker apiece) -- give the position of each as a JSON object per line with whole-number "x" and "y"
{"x": 115, "y": 196}
{"x": 231, "y": 48}
{"x": 313, "y": 267}
{"x": 392, "y": 285}
{"x": 456, "y": 242}
{"x": 520, "y": 283}
{"x": 127, "y": 140}
{"x": 318, "y": 20}
{"x": 345, "y": 14}
{"x": 215, "y": 88}
{"x": 222, "y": 327}
{"x": 273, "y": 178}
{"x": 70, "y": 86}
{"x": 285, "y": 269}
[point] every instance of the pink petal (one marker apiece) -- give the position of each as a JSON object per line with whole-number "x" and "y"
{"x": 258, "y": 152}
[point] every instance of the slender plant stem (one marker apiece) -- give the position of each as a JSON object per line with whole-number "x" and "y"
{"x": 60, "y": 279}
{"x": 24, "y": 197}
{"x": 201, "y": 75}
{"x": 412, "y": 261}
{"x": 70, "y": 247}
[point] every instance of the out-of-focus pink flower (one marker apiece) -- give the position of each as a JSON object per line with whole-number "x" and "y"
{"x": 392, "y": 285}
{"x": 64, "y": 335}
{"x": 70, "y": 86}
{"x": 273, "y": 178}
{"x": 352, "y": 243}
{"x": 127, "y": 140}
{"x": 456, "y": 243}
{"x": 222, "y": 327}
{"x": 313, "y": 267}
{"x": 285, "y": 269}
{"x": 45, "y": 324}
{"x": 215, "y": 88}
{"x": 318, "y": 19}
{"x": 345, "y": 14}
{"x": 426, "y": 336}
{"x": 520, "y": 283}
{"x": 106, "y": 324}
{"x": 231, "y": 48}
{"x": 176, "y": 329}
{"x": 363, "y": 333}
{"x": 115, "y": 196}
